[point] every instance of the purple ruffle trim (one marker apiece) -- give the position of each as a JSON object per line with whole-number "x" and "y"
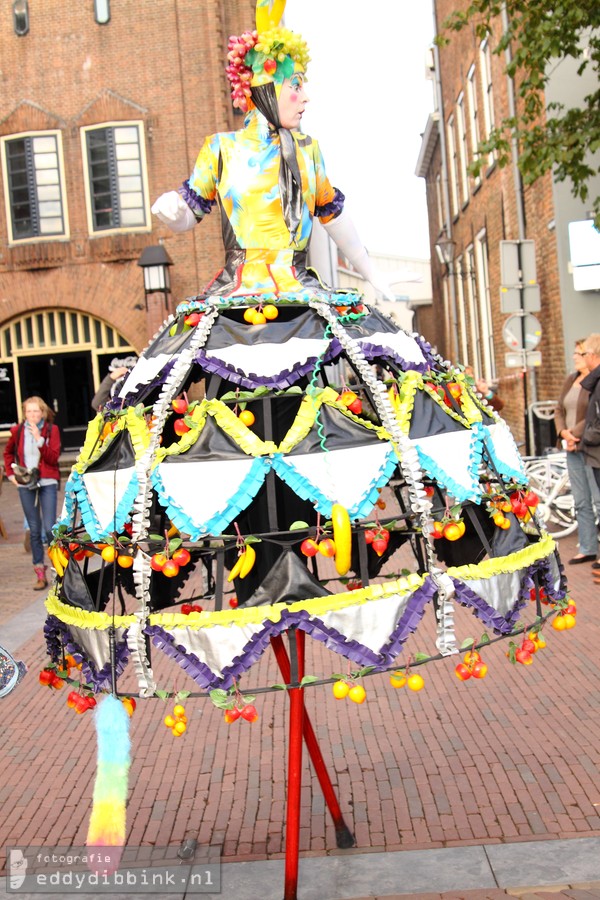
{"x": 334, "y": 207}
{"x": 115, "y": 404}
{"x": 495, "y": 620}
{"x": 198, "y": 205}
{"x": 378, "y": 351}
{"x": 258, "y": 643}
{"x": 284, "y": 379}
{"x": 58, "y": 636}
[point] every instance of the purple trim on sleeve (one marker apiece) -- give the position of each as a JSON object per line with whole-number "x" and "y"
{"x": 334, "y": 207}
{"x": 198, "y": 205}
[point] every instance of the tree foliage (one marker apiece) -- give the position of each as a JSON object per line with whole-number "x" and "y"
{"x": 551, "y": 137}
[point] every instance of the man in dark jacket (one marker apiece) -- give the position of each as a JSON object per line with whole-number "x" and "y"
{"x": 591, "y": 383}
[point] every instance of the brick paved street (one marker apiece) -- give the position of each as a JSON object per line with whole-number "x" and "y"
{"x": 513, "y": 758}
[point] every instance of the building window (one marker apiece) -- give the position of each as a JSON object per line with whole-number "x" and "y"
{"x": 485, "y": 62}
{"x": 485, "y": 306}
{"x": 475, "y": 356}
{"x": 461, "y": 311}
{"x": 453, "y": 167}
{"x": 116, "y": 188}
{"x": 32, "y": 169}
{"x": 439, "y": 203}
{"x": 463, "y": 157}
{"x": 473, "y": 115}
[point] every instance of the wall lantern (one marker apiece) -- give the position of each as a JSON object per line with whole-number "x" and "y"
{"x": 155, "y": 262}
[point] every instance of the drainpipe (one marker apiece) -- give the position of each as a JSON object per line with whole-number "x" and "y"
{"x": 439, "y": 102}
{"x": 522, "y": 230}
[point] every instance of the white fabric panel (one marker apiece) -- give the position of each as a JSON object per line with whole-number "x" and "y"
{"x": 94, "y": 643}
{"x": 203, "y": 489}
{"x": 403, "y": 344}
{"x": 505, "y": 447}
{"x": 144, "y": 371}
{"x": 500, "y": 591}
{"x": 268, "y": 360}
{"x": 343, "y": 476}
{"x": 451, "y": 452}
{"x": 371, "y": 623}
{"x": 217, "y": 646}
{"x": 105, "y": 491}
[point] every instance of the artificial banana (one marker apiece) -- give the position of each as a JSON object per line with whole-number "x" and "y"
{"x": 58, "y": 558}
{"x": 243, "y": 564}
{"x": 342, "y": 537}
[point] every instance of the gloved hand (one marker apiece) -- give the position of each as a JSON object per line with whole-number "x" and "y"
{"x": 345, "y": 236}
{"x": 174, "y": 212}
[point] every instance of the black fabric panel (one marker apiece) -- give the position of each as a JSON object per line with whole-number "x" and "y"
{"x": 119, "y": 455}
{"x": 291, "y": 323}
{"x": 428, "y": 418}
{"x": 341, "y": 433}
{"x": 287, "y": 582}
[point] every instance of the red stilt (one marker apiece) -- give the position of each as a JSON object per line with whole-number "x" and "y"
{"x": 343, "y": 836}
{"x": 292, "y": 825}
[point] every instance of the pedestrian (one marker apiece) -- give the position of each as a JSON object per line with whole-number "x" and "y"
{"x": 117, "y": 371}
{"x": 31, "y": 462}
{"x": 569, "y": 419}
{"x": 591, "y": 432}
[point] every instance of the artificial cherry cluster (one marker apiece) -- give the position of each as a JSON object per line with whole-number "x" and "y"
{"x": 188, "y": 608}
{"x": 378, "y": 538}
{"x": 260, "y": 315}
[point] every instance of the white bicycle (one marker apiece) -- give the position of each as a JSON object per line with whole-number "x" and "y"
{"x": 548, "y": 476}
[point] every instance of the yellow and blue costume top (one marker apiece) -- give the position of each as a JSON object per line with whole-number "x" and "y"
{"x": 239, "y": 171}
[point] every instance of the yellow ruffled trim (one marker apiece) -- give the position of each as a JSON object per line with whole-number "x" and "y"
{"x": 315, "y": 606}
{"x": 80, "y": 618}
{"x": 88, "y": 454}
{"x": 405, "y": 402}
{"x": 187, "y": 440}
{"x": 520, "y": 559}
{"x": 139, "y": 432}
{"x": 471, "y": 410}
{"x": 244, "y": 437}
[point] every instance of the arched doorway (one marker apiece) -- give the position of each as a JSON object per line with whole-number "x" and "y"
{"x": 60, "y": 355}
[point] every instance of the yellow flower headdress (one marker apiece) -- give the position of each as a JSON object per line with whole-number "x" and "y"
{"x": 269, "y": 54}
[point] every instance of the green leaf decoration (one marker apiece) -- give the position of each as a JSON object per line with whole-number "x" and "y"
{"x": 308, "y": 679}
{"x": 279, "y": 687}
{"x": 298, "y": 525}
{"x": 252, "y": 539}
{"x": 248, "y": 698}
{"x": 139, "y": 410}
{"x": 221, "y": 699}
{"x": 174, "y": 543}
{"x": 467, "y": 644}
{"x": 421, "y": 657}
{"x": 182, "y": 695}
{"x": 162, "y": 695}
{"x": 155, "y": 537}
{"x": 364, "y": 671}
{"x": 484, "y": 639}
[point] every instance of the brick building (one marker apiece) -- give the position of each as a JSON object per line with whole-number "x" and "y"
{"x": 469, "y": 217}
{"x": 102, "y": 108}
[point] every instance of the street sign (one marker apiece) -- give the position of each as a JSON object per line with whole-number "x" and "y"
{"x": 520, "y": 359}
{"x": 511, "y": 298}
{"x": 522, "y": 332}
{"x": 514, "y": 270}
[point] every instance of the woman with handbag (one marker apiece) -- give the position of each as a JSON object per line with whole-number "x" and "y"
{"x": 31, "y": 462}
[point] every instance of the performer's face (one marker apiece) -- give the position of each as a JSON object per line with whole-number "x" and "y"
{"x": 292, "y": 101}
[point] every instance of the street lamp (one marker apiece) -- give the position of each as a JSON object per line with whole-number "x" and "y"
{"x": 155, "y": 262}
{"x": 445, "y": 250}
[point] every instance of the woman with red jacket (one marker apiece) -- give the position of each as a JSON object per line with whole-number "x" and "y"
{"x": 35, "y": 444}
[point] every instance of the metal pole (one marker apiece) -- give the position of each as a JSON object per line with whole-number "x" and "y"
{"x": 343, "y": 836}
{"x": 296, "y": 725}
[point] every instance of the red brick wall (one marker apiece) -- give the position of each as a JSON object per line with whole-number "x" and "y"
{"x": 159, "y": 62}
{"x": 494, "y": 207}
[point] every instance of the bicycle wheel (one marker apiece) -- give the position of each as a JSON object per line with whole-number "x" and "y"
{"x": 549, "y": 478}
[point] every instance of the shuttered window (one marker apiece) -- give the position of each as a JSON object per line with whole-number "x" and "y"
{"x": 34, "y": 186}
{"x": 116, "y": 178}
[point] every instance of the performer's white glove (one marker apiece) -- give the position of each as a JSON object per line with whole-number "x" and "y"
{"x": 345, "y": 236}
{"x": 174, "y": 212}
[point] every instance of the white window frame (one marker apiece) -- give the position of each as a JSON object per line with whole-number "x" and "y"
{"x": 465, "y": 358}
{"x": 64, "y": 235}
{"x": 487, "y": 89}
{"x": 485, "y": 306}
{"x": 463, "y": 156}
{"x": 439, "y": 200}
{"x": 120, "y": 229}
{"x": 452, "y": 166}
{"x": 473, "y": 117}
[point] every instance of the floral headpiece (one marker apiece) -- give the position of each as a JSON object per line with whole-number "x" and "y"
{"x": 270, "y": 54}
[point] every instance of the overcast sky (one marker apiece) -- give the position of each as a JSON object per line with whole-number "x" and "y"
{"x": 369, "y": 105}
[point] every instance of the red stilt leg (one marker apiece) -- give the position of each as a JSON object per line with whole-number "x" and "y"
{"x": 292, "y": 825}
{"x": 343, "y": 836}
